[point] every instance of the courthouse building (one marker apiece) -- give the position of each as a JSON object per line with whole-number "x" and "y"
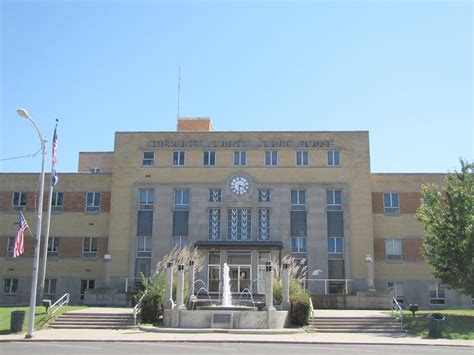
{"x": 241, "y": 197}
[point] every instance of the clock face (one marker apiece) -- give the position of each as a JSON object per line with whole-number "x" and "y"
{"x": 239, "y": 185}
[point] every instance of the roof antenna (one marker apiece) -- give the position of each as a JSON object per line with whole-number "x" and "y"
{"x": 179, "y": 85}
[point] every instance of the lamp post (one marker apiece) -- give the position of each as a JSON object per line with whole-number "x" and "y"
{"x": 34, "y": 280}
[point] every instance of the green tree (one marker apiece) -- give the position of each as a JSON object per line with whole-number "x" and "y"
{"x": 448, "y": 218}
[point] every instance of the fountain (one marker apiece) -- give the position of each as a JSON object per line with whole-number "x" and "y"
{"x": 226, "y": 315}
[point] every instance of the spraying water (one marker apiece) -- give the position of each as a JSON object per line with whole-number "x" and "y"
{"x": 226, "y": 295}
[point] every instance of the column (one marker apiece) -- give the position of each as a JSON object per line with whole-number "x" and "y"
{"x": 285, "y": 283}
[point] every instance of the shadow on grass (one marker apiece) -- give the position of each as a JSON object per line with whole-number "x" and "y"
{"x": 452, "y": 327}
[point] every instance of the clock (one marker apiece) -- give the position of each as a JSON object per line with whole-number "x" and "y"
{"x": 239, "y": 185}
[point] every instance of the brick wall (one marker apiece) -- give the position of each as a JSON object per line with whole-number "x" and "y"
{"x": 409, "y": 202}
{"x": 379, "y": 249}
{"x": 411, "y": 249}
{"x": 194, "y": 124}
{"x": 377, "y": 202}
{"x": 5, "y": 201}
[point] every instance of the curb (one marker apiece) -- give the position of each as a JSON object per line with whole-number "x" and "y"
{"x": 221, "y": 331}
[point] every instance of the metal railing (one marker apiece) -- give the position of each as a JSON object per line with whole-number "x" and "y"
{"x": 64, "y": 300}
{"x": 312, "y": 308}
{"x": 326, "y": 284}
{"x": 137, "y": 309}
{"x": 396, "y": 307}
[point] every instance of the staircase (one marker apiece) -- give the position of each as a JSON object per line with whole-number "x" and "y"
{"x": 341, "y": 321}
{"x": 95, "y": 318}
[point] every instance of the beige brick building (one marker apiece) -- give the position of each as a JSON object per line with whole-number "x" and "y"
{"x": 242, "y": 198}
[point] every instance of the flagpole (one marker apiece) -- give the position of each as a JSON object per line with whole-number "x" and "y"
{"x": 34, "y": 279}
{"x": 48, "y": 216}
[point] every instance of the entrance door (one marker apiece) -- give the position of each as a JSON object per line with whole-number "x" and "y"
{"x": 240, "y": 270}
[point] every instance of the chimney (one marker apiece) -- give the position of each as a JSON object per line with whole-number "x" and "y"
{"x": 195, "y": 124}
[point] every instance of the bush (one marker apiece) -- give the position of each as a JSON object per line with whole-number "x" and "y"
{"x": 300, "y": 309}
{"x": 152, "y": 307}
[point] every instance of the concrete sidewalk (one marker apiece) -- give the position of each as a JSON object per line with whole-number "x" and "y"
{"x": 151, "y": 334}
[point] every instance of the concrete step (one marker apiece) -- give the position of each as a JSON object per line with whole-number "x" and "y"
{"x": 376, "y": 324}
{"x": 93, "y": 320}
{"x": 90, "y": 326}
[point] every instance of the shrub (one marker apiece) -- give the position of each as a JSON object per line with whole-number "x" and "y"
{"x": 300, "y": 309}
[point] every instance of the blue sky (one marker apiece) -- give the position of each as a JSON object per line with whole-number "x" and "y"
{"x": 402, "y": 70}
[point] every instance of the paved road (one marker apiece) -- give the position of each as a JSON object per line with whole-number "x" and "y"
{"x": 70, "y": 348}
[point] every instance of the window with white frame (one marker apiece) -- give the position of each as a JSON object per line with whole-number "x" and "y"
{"x": 298, "y": 244}
{"x": 146, "y": 198}
{"x": 93, "y": 202}
{"x": 334, "y": 200}
{"x": 336, "y": 247}
{"x": 298, "y": 199}
{"x": 239, "y": 224}
{"x": 178, "y": 158}
{"x": 240, "y": 158}
{"x": 333, "y": 158}
{"x": 181, "y": 199}
{"x": 271, "y": 158}
{"x": 148, "y": 159}
{"x": 179, "y": 242}
{"x": 391, "y": 202}
{"x": 215, "y": 195}
{"x": 393, "y": 249}
{"x": 214, "y": 271}
{"x": 144, "y": 246}
{"x": 10, "y": 286}
{"x": 264, "y": 224}
{"x": 19, "y": 201}
{"x": 209, "y": 158}
{"x": 57, "y": 201}
{"x": 85, "y": 285}
{"x": 264, "y": 195}
{"x": 50, "y": 287}
{"x": 302, "y": 158}
{"x": 53, "y": 246}
{"x": 397, "y": 290}
{"x": 95, "y": 170}
{"x": 437, "y": 295}
{"x": 89, "y": 248}
{"x": 10, "y": 246}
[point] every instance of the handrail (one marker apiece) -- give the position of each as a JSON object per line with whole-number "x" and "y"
{"x": 396, "y": 306}
{"x": 137, "y": 308}
{"x": 64, "y": 300}
{"x": 306, "y": 283}
{"x": 312, "y": 308}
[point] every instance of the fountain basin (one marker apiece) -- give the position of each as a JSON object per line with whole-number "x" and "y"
{"x": 226, "y": 308}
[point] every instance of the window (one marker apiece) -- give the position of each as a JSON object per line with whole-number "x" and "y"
{"x": 97, "y": 170}
{"x": 298, "y": 199}
{"x": 209, "y": 158}
{"x": 53, "y": 246}
{"x": 146, "y": 199}
{"x": 89, "y": 248}
{"x": 336, "y": 247}
{"x": 437, "y": 295}
{"x": 298, "y": 244}
{"x": 85, "y": 285}
{"x": 148, "y": 159}
{"x": 264, "y": 195}
{"x": 215, "y": 195}
{"x": 10, "y": 286}
{"x": 214, "y": 271}
{"x": 264, "y": 230}
{"x": 178, "y": 158}
{"x": 145, "y": 223}
{"x": 333, "y": 158}
{"x": 10, "y": 246}
{"x": 391, "y": 203}
{"x": 302, "y": 158}
{"x": 57, "y": 201}
{"x": 144, "y": 247}
{"x": 19, "y": 201}
{"x": 240, "y": 158}
{"x": 397, "y": 290}
{"x": 50, "y": 287}
{"x": 240, "y": 270}
{"x": 334, "y": 200}
{"x": 239, "y": 224}
{"x": 181, "y": 199}
{"x": 214, "y": 224}
{"x": 93, "y": 202}
{"x": 271, "y": 158}
{"x": 393, "y": 249}
{"x": 179, "y": 242}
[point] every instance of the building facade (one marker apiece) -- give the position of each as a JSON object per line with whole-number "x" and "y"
{"x": 241, "y": 197}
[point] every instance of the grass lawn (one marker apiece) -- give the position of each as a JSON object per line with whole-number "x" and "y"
{"x": 458, "y": 324}
{"x": 41, "y": 317}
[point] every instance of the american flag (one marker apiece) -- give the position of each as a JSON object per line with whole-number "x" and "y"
{"x": 19, "y": 240}
{"x": 54, "y": 177}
